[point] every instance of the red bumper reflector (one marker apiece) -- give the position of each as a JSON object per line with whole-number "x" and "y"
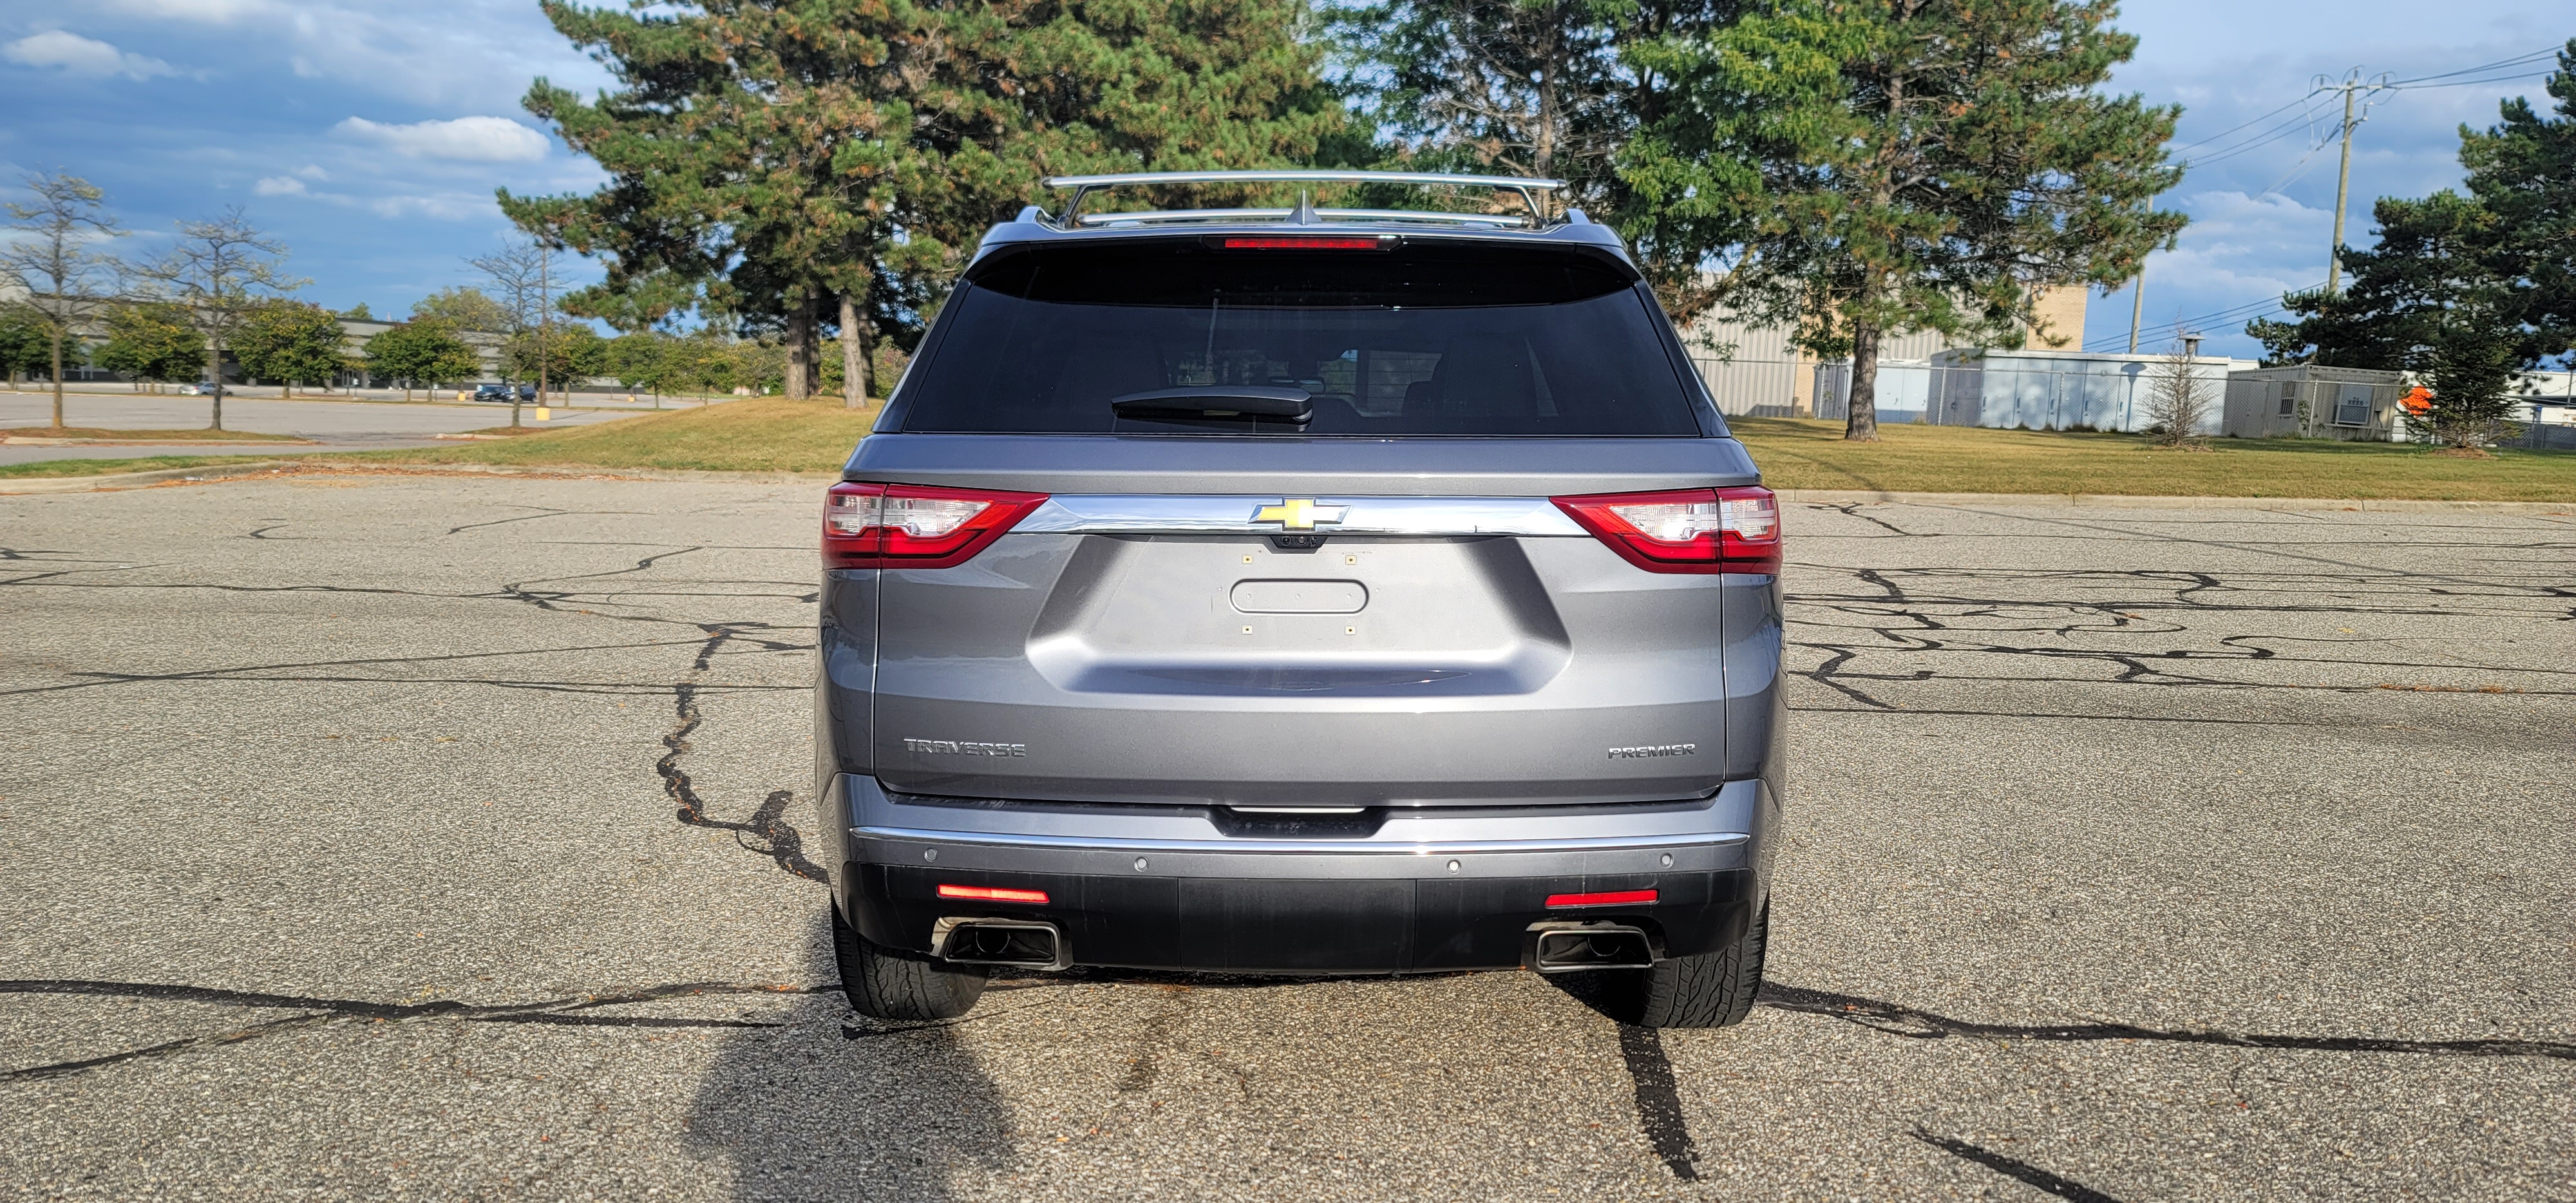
{"x": 992, "y": 894}
{"x": 1605, "y": 898}
{"x": 1273, "y": 242}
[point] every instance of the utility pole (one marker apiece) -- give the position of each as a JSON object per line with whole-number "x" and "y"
{"x": 2351, "y": 85}
{"x": 2137, "y": 304}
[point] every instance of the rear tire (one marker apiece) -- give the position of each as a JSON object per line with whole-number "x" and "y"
{"x": 1710, "y": 990}
{"x": 886, "y": 983}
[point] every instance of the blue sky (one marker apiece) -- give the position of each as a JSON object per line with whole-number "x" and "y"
{"x": 370, "y": 135}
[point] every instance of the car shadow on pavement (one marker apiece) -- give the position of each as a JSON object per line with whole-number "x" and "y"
{"x": 831, "y": 1106}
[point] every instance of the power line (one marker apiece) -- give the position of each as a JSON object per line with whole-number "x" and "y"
{"x": 2245, "y": 311}
{"x": 2515, "y": 61}
{"x": 2265, "y": 117}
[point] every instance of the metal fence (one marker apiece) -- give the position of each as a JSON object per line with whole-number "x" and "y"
{"x": 1752, "y": 388}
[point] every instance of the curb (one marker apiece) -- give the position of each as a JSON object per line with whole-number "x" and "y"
{"x": 323, "y": 467}
{"x": 128, "y": 480}
{"x": 2144, "y": 502}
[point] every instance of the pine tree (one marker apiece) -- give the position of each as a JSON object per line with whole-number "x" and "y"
{"x": 769, "y": 157}
{"x": 1927, "y": 165}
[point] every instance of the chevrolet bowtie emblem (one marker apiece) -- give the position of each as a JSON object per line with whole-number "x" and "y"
{"x": 1299, "y": 513}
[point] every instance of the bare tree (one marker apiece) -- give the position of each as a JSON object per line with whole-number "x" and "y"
{"x": 220, "y": 272}
{"x": 522, "y": 276}
{"x": 2180, "y": 395}
{"x": 54, "y": 259}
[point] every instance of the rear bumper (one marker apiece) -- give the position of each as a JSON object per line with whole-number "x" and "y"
{"x": 1164, "y": 888}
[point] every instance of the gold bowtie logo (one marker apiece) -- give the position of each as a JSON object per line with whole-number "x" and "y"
{"x": 1299, "y": 513}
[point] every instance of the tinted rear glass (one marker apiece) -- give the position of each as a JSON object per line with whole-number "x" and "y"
{"x": 1427, "y": 339}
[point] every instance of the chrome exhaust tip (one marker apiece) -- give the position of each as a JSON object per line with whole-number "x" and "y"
{"x": 1573, "y": 947}
{"x": 1021, "y": 943}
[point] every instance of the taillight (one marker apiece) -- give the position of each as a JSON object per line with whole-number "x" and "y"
{"x": 1686, "y": 530}
{"x": 915, "y": 526}
{"x": 993, "y": 894}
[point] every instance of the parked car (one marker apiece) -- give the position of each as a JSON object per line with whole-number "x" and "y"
{"x": 196, "y": 390}
{"x": 1361, "y": 593}
{"x": 502, "y": 392}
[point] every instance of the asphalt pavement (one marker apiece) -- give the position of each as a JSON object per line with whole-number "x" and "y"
{"x": 370, "y": 422}
{"x": 403, "y": 837}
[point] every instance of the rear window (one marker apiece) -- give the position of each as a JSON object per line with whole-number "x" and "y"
{"x": 1425, "y": 339}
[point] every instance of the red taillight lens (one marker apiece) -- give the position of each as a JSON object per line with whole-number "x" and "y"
{"x": 915, "y": 526}
{"x": 1686, "y": 530}
{"x": 993, "y": 894}
{"x": 1604, "y": 898}
{"x": 1278, "y": 242}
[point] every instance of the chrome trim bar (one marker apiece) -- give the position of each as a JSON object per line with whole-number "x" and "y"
{"x": 1334, "y": 847}
{"x": 1151, "y": 514}
{"x": 1175, "y": 216}
{"x": 1300, "y": 176}
{"x": 1083, "y": 185}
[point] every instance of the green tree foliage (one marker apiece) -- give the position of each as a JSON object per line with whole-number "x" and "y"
{"x": 464, "y": 308}
{"x": 292, "y": 342}
{"x": 26, "y": 341}
{"x": 422, "y": 351}
{"x": 1588, "y": 91}
{"x": 570, "y": 352}
{"x": 1930, "y": 165}
{"x": 767, "y": 156}
{"x": 2504, "y": 254}
{"x": 358, "y": 313}
{"x": 152, "y": 341}
{"x": 2471, "y": 369}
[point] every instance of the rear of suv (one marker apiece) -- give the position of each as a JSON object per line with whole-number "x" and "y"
{"x": 1301, "y": 592}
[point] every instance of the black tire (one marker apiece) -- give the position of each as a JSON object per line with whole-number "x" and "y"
{"x": 886, "y": 983}
{"x": 1711, "y": 990}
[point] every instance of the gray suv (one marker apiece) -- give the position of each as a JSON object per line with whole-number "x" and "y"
{"x": 1301, "y": 591}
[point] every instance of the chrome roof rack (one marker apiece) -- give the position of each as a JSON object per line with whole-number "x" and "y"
{"x": 1305, "y": 212}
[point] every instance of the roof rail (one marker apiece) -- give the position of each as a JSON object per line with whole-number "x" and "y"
{"x": 1085, "y": 185}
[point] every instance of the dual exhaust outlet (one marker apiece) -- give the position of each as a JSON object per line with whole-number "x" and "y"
{"x": 1032, "y": 944}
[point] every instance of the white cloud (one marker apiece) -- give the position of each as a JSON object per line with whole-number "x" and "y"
{"x": 313, "y": 171}
{"x": 213, "y": 12}
{"x": 82, "y": 56}
{"x": 466, "y": 139}
{"x": 279, "y": 185}
{"x": 442, "y": 207}
{"x": 452, "y": 53}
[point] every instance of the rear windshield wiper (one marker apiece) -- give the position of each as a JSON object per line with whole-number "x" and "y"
{"x": 1218, "y": 401}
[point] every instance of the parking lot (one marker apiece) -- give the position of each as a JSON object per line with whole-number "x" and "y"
{"x": 422, "y": 837}
{"x": 374, "y": 422}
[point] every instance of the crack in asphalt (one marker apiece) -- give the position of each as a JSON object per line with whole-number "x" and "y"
{"x": 780, "y": 841}
{"x": 564, "y": 1012}
{"x": 1914, "y": 1023}
{"x": 1911, "y": 613}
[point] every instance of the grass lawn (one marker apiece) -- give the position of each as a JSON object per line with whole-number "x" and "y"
{"x": 760, "y": 434}
{"x": 1806, "y": 454}
{"x": 775, "y": 435}
{"x": 197, "y": 434}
